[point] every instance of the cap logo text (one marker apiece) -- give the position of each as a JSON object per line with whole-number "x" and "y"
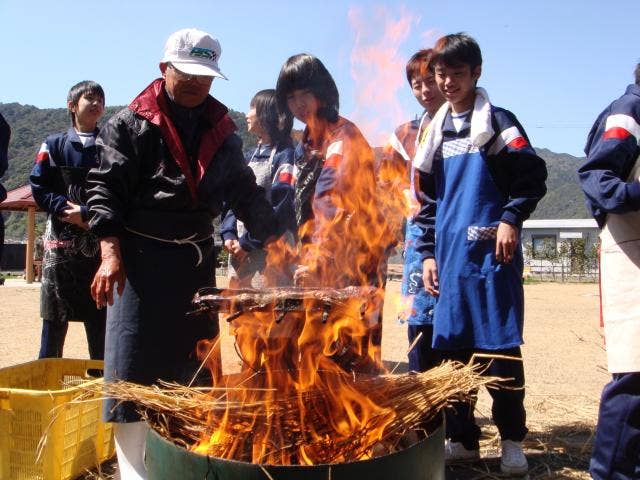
{"x": 203, "y": 53}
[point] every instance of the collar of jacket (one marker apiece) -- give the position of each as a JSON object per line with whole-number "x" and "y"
{"x": 633, "y": 89}
{"x": 151, "y": 104}
{"x": 73, "y": 136}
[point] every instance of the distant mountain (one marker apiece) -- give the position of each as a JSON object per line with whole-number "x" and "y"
{"x": 564, "y": 198}
{"x": 30, "y": 125}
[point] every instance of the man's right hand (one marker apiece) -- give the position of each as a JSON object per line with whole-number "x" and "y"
{"x": 430, "y": 276}
{"x": 110, "y": 272}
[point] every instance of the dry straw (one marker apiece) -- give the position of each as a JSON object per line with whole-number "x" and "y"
{"x": 303, "y": 420}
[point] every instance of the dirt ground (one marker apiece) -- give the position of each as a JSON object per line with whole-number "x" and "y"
{"x": 565, "y": 370}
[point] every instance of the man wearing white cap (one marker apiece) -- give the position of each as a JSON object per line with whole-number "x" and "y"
{"x": 167, "y": 163}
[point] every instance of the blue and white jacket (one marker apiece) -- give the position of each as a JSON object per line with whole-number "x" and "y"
{"x": 613, "y": 146}
{"x": 514, "y": 166}
{"x": 280, "y": 194}
{"x": 60, "y": 152}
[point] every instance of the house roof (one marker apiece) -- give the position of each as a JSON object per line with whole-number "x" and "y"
{"x": 560, "y": 223}
{"x": 19, "y": 199}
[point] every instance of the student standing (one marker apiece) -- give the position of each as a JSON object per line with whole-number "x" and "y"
{"x": 71, "y": 252}
{"x": 417, "y": 302}
{"x": 331, "y": 157}
{"x": 5, "y": 134}
{"x": 272, "y": 164}
{"x": 486, "y": 180}
{"x": 610, "y": 179}
{"x": 335, "y": 180}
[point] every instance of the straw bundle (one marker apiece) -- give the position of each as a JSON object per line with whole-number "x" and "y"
{"x": 300, "y": 427}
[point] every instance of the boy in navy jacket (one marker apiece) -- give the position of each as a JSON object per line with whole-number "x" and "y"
{"x": 71, "y": 252}
{"x": 417, "y": 304}
{"x": 5, "y": 134}
{"x": 610, "y": 179}
{"x": 486, "y": 179}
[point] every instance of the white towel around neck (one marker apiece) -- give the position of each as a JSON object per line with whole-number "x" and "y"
{"x": 481, "y": 130}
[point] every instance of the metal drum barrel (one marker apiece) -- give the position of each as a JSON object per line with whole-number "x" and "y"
{"x": 422, "y": 461}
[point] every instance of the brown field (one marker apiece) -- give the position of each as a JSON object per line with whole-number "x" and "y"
{"x": 564, "y": 364}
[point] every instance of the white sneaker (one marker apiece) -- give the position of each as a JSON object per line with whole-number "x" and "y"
{"x": 456, "y": 452}
{"x": 513, "y": 461}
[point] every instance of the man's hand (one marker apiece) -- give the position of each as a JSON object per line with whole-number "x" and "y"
{"x": 430, "y": 276}
{"x": 72, "y": 214}
{"x": 110, "y": 272}
{"x": 506, "y": 242}
{"x": 234, "y": 248}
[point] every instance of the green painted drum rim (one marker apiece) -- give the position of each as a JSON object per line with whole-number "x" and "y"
{"x": 422, "y": 461}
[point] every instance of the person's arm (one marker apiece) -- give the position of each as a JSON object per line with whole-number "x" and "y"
{"x": 5, "y": 135}
{"x": 283, "y": 189}
{"x": 516, "y": 168}
{"x": 110, "y": 276}
{"x": 45, "y": 176}
{"x": 347, "y": 180}
{"x": 246, "y": 199}
{"x": 425, "y": 219}
{"x": 612, "y": 149}
{"x": 229, "y": 234}
{"x": 323, "y": 203}
{"x": 520, "y": 173}
{"x": 111, "y": 185}
{"x": 282, "y": 193}
{"x": 229, "y": 226}
{"x": 109, "y": 188}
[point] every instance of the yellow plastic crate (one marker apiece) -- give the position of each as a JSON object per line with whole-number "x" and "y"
{"x": 77, "y": 439}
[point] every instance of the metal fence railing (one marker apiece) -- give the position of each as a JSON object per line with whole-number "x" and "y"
{"x": 565, "y": 271}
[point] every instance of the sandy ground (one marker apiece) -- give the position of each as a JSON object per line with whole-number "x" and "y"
{"x": 564, "y": 364}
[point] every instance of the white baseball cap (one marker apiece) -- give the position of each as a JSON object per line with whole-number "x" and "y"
{"x": 194, "y": 52}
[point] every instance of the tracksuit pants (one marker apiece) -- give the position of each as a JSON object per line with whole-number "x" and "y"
{"x": 616, "y": 448}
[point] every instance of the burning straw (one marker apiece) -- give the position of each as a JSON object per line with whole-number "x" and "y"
{"x": 247, "y": 423}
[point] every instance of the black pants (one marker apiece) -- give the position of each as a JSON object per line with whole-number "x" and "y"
{"x": 616, "y": 449}
{"x": 54, "y": 334}
{"x": 149, "y": 334}
{"x": 507, "y": 409}
{"x": 422, "y": 356}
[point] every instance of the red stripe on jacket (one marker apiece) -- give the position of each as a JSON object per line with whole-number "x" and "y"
{"x": 333, "y": 161}
{"x": 617, "y": 133}
{"x": 285, "y": 177}
{"x": 518, "y": 143}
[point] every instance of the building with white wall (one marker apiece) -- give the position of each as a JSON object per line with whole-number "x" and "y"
{"x": 541, "y": 238}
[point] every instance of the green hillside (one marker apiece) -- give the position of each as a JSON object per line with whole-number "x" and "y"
{"x": 30, "y": 126}
{"x": 564, "y": 197}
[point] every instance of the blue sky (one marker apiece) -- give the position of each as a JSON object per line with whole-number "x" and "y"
{"x": 556, "y": 65}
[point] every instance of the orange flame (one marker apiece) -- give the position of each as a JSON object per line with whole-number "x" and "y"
{"x": 306, "y": 358}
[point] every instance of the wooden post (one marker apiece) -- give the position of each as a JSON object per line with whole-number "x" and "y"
{"x": 31, "y": 236}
